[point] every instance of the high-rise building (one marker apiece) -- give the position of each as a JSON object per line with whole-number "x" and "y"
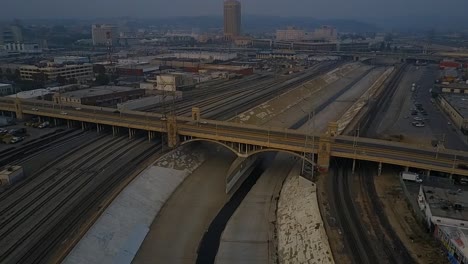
{"x": 104, "y": 35}
{"x": 11, "y": 34}
{"x": 232, "y": 18}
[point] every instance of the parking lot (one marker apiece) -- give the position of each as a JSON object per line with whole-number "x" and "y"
{"x": 418, "y": 118}
{"x": 29, "y": 133}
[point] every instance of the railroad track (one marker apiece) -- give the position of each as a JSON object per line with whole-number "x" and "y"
{"x": 354, "y": 233}
{"x": 214, "y": 99}
{"x": 42, "y": 252}
{"x": 246, "y": 101}
{"x": 393, "y": 249}
{"x": 37, "y": 145}
{"x": 36, "y": 210}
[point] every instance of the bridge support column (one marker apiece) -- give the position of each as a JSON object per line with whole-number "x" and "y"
{"x": 131, "y": 133}
{"x": 18, "y": 109}
{"x": 68, "y": 123}
{"x": 83, "y": 125}
{"x": 379, "y": 170}
{"x": 151, "y": 135}
{"x": 196, "y": 114}
{"x": 323, "y": 159}
{"x": 172, "y": 137}
{"x": 115, "y": 131}
{"x": 428, "y": 173}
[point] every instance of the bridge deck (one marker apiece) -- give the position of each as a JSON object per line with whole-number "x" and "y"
{"x": 272, "y": 138}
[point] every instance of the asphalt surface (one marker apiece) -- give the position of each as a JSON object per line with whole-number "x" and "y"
{"x": 397, "y": 120}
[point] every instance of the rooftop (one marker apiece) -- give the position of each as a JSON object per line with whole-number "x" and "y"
{"x": 443, "y": 202}
{"x": 459, "y": 102}
{"x": 95, "y": 91}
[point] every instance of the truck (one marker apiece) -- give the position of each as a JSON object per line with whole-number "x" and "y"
{"x": 411, "y": 176}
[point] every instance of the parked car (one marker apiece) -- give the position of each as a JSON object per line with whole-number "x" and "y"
{"x": 16, "y": 140}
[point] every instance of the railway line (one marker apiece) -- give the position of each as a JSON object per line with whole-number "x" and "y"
{"x": 374, "y": 241}
{"x": 354, "y": 233}
{"x": 214, "y": 102}
{"x": 64, "y": 191}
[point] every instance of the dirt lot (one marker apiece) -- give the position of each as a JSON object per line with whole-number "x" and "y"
{"x": 420, "y": 244}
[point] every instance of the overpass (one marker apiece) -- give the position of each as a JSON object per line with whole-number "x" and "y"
{"x": 244, "y": 140}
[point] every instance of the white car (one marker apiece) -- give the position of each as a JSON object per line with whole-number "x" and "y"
{"x": 63, "y": 113}
{"x": 34, "y": 109}
{"x": 78, "y": 108}
{"x": 420, "y": 125}
{"x": 418, "y": 118}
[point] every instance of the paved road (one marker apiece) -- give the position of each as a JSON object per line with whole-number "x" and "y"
{"x": 398, "y": 118}
{"x": 176, "y": 232}
{"x": 246, "y": 238}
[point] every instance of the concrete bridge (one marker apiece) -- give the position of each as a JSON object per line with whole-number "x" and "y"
{"x": 244, "y": 140}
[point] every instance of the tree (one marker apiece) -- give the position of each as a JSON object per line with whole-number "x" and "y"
{"x": 102, "y": 79}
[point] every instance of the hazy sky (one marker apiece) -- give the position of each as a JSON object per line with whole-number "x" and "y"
{"x": 163, "y": 8}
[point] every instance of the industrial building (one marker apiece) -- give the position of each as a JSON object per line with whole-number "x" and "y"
{"x": 71, "y": 59}
{"x": 456, "y": 106}
{"x": 104, "y": 35}
{"x": 196, "y": 66}
{"x": 5, "y": 89}
{"x": 23, "y": 47}
{"x": 445, "y": 214}
{"x": 174, "y": 82}
{"x": 232, "y": 19}
{"x": 311, "y": 46}
{"x": 100, "y": 96}
{"x": 136, "y": 69}
{"x": 80, "y": 72}
{"x": 277, "y": 54}
{"x": 452, "y": 88}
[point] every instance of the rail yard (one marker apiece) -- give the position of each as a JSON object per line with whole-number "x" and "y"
{"x": 74, "y": 172}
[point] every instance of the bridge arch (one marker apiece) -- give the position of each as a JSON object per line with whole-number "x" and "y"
{"x": 216, "y": 142}
{"x": 251, "y": 152}
{"x": 296, "y": 154}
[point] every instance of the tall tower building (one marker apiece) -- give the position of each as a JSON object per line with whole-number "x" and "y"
{"x": 232, "y": 18}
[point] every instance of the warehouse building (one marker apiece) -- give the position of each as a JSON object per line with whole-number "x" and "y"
{"x": 455, "y": 88}
{"x": 5, "y": 89}
{"x": 100, "y": 96}
{"x": 456, "y": 106}
{"x": 445, "y": 214}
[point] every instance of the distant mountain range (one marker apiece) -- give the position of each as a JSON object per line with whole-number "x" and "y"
{"x": 261, "y": 23}
{"x": 256, "y": 24}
